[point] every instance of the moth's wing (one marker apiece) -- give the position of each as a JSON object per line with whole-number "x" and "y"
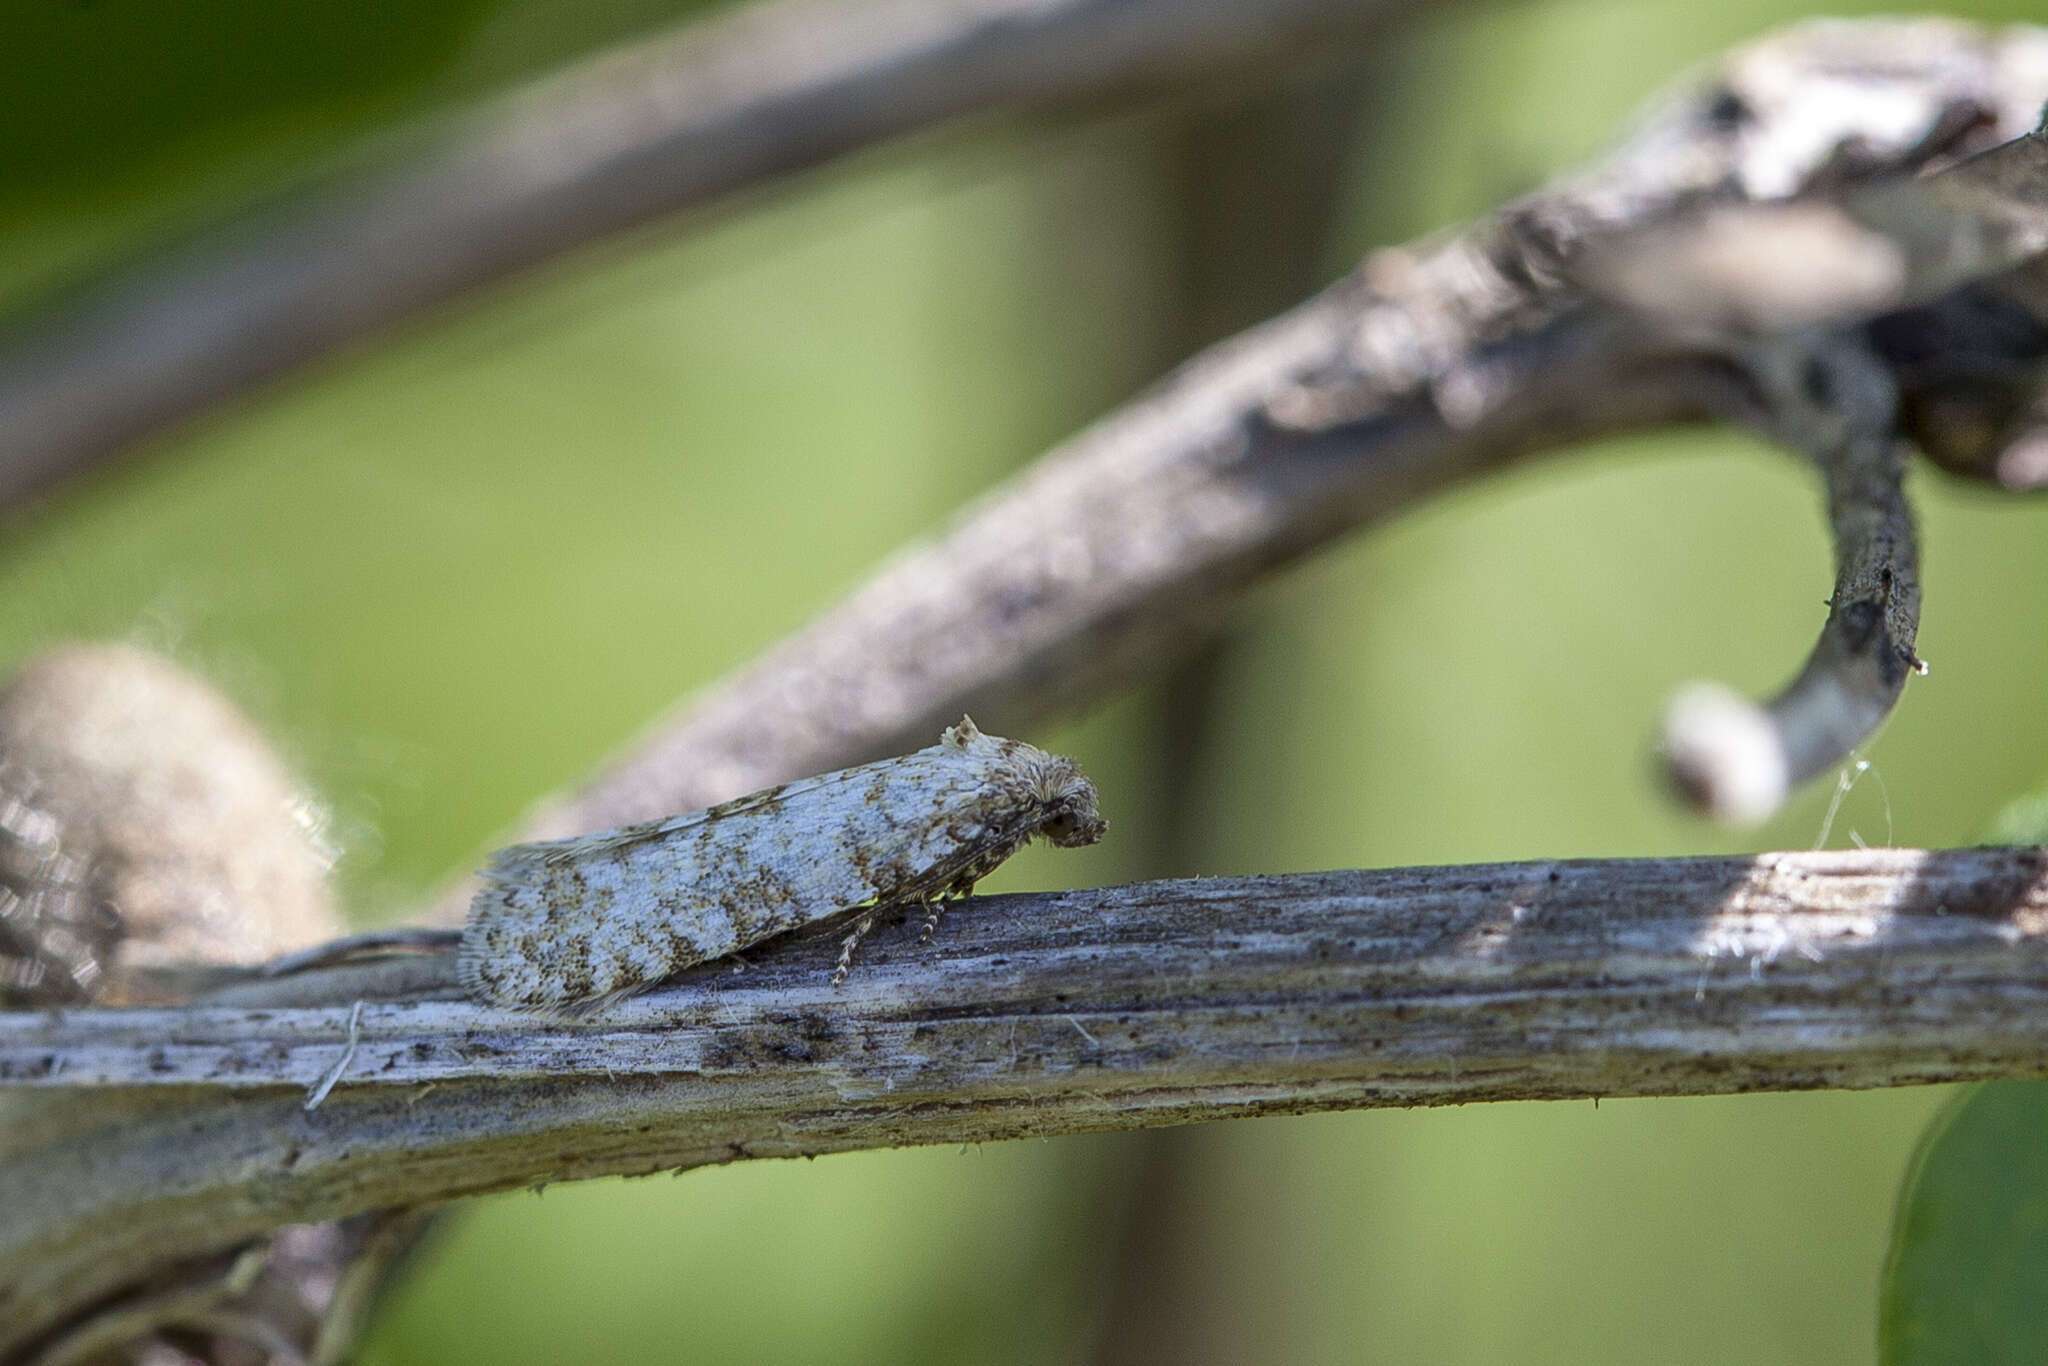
{"x": 844, "y": 838}
{"x": 519, "y": 861}
{"x": 572, "y": 919}
{"x": 946, "y": 810}
{"x": 911, "y": 790}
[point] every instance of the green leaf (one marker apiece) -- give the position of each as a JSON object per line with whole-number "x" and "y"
{"x": 1967, "y": 1276}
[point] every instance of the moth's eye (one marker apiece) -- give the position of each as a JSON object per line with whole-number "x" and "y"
{"x": 1060, "y": 827}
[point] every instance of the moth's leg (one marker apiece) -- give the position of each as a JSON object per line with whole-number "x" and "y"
{"x": 862, "y": 923}
{"x": 939, "y": 905}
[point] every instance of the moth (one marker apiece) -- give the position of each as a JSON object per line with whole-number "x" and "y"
{"x": 570, "y": 926}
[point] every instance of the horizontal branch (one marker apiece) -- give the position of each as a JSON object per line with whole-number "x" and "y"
{"x": 1155, "y": 1003}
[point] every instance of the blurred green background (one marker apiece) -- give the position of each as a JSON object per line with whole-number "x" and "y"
{"x": 454, "y": 570}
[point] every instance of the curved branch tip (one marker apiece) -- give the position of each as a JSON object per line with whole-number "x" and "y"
{"x": 1724, "y": 755}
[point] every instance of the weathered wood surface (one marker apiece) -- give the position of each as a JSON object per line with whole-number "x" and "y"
{"x": 1149, "y": 1004}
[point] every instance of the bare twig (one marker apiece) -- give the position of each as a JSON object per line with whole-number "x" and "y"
{"x": 1425, "y": 367}
{"x": 629, "y": 137}
{"x": 1786, "y": 289}
{"x": 1125, "y": 1007}
{"x": 1831, "y": 397}
{"x": 1795, "y": 273}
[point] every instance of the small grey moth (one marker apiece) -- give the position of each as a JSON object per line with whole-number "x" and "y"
{"x": 568, "y": 926}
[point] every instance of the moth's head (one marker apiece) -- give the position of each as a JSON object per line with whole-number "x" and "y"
{"x": 1068, "y": 814}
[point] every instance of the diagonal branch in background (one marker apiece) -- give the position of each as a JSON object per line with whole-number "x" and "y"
{"x": 1426, "y": 366}
{"x": 1156, "y": 1003}
{"x": 1423, "y": 368}
{"x": 625, "y": 139}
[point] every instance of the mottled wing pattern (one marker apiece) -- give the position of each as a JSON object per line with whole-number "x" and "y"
{"x": 593, "y": 918}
